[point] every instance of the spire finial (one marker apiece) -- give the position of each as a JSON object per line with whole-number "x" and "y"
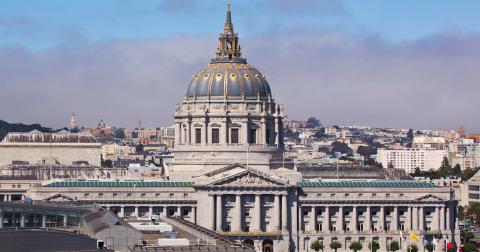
{"x": 229, "y": 14}
{"x": 229, "y": 49}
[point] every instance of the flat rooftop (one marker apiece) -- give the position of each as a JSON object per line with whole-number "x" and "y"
{"x": 45, "y": 241}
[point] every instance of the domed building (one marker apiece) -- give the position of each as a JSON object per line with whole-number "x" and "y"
{"x": 228, "y": 115}
{"x": 228, "y": 177}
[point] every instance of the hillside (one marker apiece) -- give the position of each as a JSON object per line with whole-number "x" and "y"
{"x": 6, "y": 127}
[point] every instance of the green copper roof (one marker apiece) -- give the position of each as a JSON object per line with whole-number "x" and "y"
{"x": 118, "y": 184}
{"x": 390, "y": 184}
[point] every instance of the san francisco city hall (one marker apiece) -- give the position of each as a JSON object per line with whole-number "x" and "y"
{"x": 228, "y": 175}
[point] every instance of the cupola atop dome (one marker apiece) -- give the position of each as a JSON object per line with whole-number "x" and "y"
{"x": 229, "y": 49}
{"x": 228, "y": 76}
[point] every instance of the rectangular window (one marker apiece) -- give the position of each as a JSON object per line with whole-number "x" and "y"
{"x": 198, "y": 136}
{"x": 253, "y": 136}
{"x": 215, "y": 136}
{"x": 234, "y": 136}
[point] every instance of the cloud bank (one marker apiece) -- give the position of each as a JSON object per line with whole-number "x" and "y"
{"x": 342, "y": 79}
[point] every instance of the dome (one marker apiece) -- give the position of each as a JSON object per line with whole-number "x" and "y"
{"x": 228, "y": 80}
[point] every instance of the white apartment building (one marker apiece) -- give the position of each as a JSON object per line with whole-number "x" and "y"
{"x": 465, "y": 153}
{"x": 411, "y": 158}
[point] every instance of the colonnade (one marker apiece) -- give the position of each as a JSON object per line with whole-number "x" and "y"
{"x": 161, "y": 210}
{"x": 328, "y": 219}
{"x": 278, "y": 217}
{"x": 186, "y": 131}
{"x": 33, "y": 219}
{"x": 11, "y": 197}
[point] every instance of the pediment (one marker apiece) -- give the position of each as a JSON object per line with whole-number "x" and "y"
{"x": 429, "y": 198}
{"x": 59, "y": 198}
{"x": 247, "y": 178}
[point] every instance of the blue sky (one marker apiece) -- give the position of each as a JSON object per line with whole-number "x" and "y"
{"x": 409, "y": 64}
{"x": 48, "y": 23}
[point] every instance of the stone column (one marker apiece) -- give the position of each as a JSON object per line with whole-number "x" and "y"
{"x": 257, "y": 227}
{"x": 65, "y": 220}
{"x": 194, "y": 215}
{"x": 150, "y": 212}
{"x": 340, "y": 219}
{"x": 219, "y": 213}
{"x": 179, "y": 211}
{"x": 136, "y": 211}
{"x": 44, "y": 221}
{"x": 211, "y": 209}
{"x": 326, "y": 220}
{"x": 438, "y": 218}
{"x": 354, "y": 219}
{"x": 277, "y": 132}
{"x": 122, "y": 212}
{"x": 22, "y": 220}
{"x": 294, "y": 213}
{"x": 449, "y": 218}
{"x": 223, "y": 132}
{"x": 368, "y": 219}
{"x": 300, "y": 217}
{"x": 189, "y": 132}
{"x": 382, "y": 218}
{"x": 244, "y": 139}
{"x": 395, "y": 219}
{"x": 276, "y": 214}
{"x": 442, "y": 218}
{"x": 415, "y": 218}
{"x": 408, "y": 219}
{"x": 178, "y": 133}
{"x": 164, "y": 211}
{"x": 261, "y": 134}
{"x": 237, "y": 218}
{"x": 1, "y": 220}
{"x": 284, "y": 213}
{"x": 421, "y": 219}
{"x": 312, "y": 221}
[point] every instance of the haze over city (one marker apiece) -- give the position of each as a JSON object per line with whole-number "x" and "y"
{"x": 344, "y": 62}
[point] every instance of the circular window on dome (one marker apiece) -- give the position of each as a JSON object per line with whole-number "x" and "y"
{"x": 246, "y": 76}
{"x": 219, "y": 75}
{"x": 258, "y": 76}
{"x": 232, "y": 75}
{"x": 205, "y": 76}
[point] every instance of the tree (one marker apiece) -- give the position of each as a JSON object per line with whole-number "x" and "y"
{"x": 418, "y": 172}
{"x": 316, "y": 245}
{"x": 335, "y": 245}
{"x": 355, "y": 246}
{"x": 466, "y": 236}
{"x": 366, "y": 151}
{"x": 470, "y": 247}
{"x": 457, "y": 170}
{"x": 410, "y": 134}
{"x": 394, "y": 246}
{"x": 461, "y": 212}
{"x": 374, "y": 246}
{"x": 412, "y": 248}
{"x": 139, "y": 148}
{"x": 340, "y": 147}
{"x": 119, "y": 133}
{"x": 474, "y": 212}
{"x": 429, "y": 247}
{"x": 312, "y": 122}
{"x": 468, "y": 173}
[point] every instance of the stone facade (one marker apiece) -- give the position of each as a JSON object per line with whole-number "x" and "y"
{"x": 228, "y": 136}
{"x": 62, "y": 148}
